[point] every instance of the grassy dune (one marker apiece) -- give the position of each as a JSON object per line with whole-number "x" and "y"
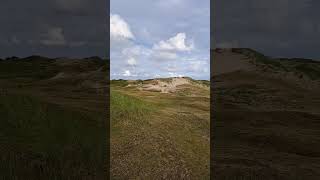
{"x": 156, "y": 136}
{"x": 126, "y": 109}
{"x": 266, "y": 117}
{"x": 52, "y": 129}
{"x": 34, "y": 134}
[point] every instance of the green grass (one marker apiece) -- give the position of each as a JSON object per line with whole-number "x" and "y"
{"x": 155, "y": 135}
{"x": 260, "y": 59}
{"x": 127, "y": 108}
{"x": 199, "y": 82}
{"x": 41, "y": 140}
{"x": 39, "y": 68}
{"x": 27, "y": 69}
{"x": 120, "y": 82}
{"x": 271, "y": 63}
{"x": 302, "y": 67}
{"x": 312, "y": 71}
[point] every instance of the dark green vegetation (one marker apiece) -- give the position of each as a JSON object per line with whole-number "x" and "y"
{"x": 266, "y": 119}
{"x": 159, "y": 135}
{"x": 53, "y": 118}
{"x": 298, "y": 66}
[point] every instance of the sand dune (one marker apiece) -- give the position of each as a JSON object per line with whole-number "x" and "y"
{"x": 266, "y": 117}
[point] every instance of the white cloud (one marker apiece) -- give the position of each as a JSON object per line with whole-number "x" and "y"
{"x": 171, "y": 74}
{"x": 54, "y": 36}
{"x": 132, "y": 61}
{"x": 129, "y": 74}
{"x": 171, "y": 68}
{"x": 198, "y": 66}
{"x": 133, "y": 53}
{"x": 119, "y": 28}
{"x": 126, "y": 73}
{"x": 136, "y": 50}
{"x": 176, "y": 43}
{"x": 164, "y": 56}
{"x": 151, "y": 55}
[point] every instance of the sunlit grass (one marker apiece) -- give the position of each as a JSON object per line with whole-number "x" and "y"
{"x": 126, "y": 108}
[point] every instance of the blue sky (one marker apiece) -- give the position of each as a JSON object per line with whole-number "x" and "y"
{"x": 160, "y": 38}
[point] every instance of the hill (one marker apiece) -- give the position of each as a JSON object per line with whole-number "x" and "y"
{"x": 266, "y": 116}
{"x": 166, "y": 85}
{"x": 160, "y": 129}
{"x": 53, "y": 118}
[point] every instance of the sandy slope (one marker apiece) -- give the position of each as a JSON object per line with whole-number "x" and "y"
{"x": 226, "y": 61}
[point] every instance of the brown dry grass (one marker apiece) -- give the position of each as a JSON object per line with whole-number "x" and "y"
{"x": 170, "y": 141}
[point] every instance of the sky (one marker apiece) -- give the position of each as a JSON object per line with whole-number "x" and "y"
{"x": 278, "y": 28}
{"x": 54, "y": 28}
{"x": 79, "y": 28}
{"x": 159, "y": 38}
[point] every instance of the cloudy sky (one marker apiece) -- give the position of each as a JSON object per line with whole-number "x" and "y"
{"x": 159, "y": 38}
{"x": 54, "y": 28}
{"x": 78, "y": 28}
{"x": 281, "y": 28}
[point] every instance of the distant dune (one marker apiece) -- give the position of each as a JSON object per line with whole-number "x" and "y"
{"x": 167, "y": 85}
{"x": 266, "y": 116}
{"x": 304, "y": 72}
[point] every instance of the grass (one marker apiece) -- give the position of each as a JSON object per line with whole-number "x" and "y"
{"x": 120, "y": 82}
{"x": 158, "y": 136}
{"x": 313, "y": 72}
{"x": 41, "y": 140}
{"x": 27, "y": 69}
{"x": 260, "y": 59}
{"x": 265, "y": 128}
{"x": 301, "y": 67}
{"x": 53, "y": 129}
{"x": 126, "y": 108}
